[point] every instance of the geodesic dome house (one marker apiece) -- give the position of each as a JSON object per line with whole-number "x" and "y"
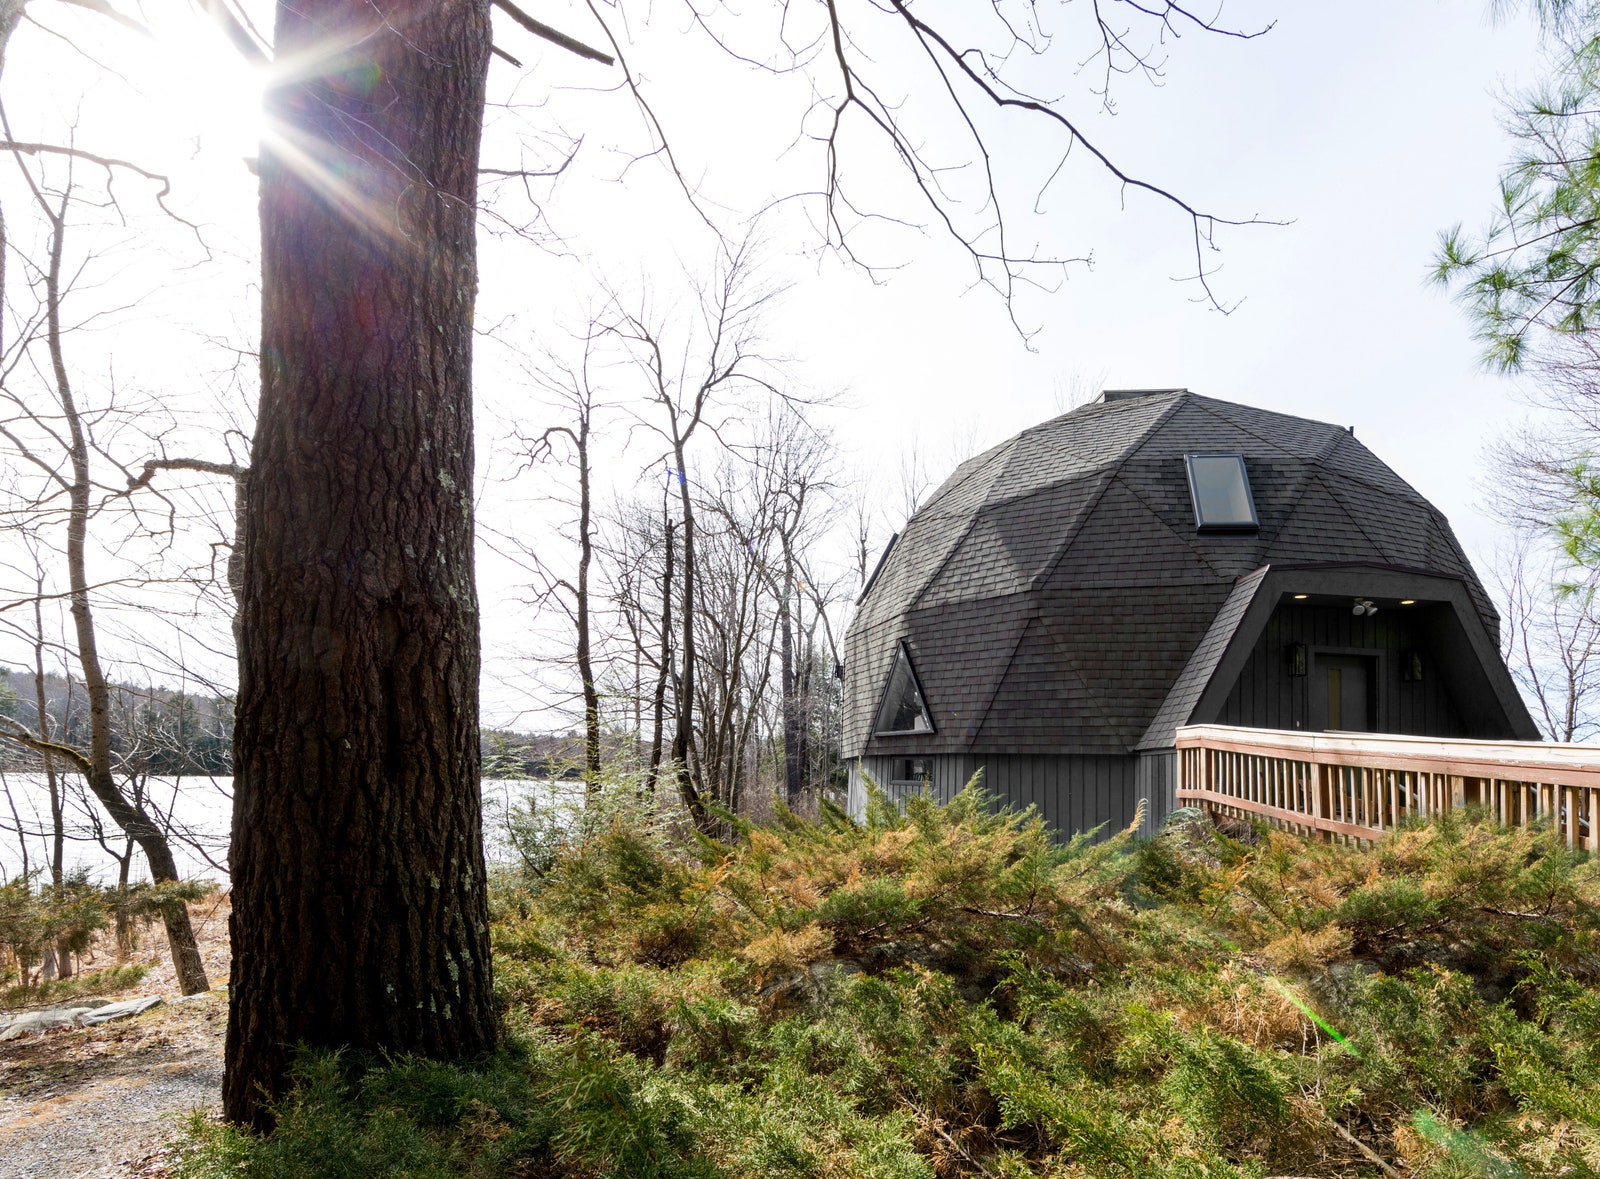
{"x": 1066, "y": 600}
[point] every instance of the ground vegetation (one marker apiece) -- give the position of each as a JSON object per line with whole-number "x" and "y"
{"x": 45, "y": 932}
{"x": 950, "y": 991}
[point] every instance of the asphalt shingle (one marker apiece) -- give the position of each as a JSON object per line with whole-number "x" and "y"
{"x": 1055, "y": 592}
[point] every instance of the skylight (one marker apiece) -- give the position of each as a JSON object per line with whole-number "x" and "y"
{"x": 1220, "y": 489}
{"x": 903, "y": 710}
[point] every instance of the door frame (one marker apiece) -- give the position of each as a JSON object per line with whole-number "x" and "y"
{"x": 1318, "y": 687}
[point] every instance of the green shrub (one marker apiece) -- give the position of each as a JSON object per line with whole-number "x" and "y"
{"x": 949, "y": 991}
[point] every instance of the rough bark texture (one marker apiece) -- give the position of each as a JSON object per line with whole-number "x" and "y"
{"x": 793, "y": 751}
{"x": 360, "y": 914}
{"x": 58, "y": 826}
{"x": 683, "y": 750}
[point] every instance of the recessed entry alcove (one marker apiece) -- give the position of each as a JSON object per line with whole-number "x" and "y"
{"x": 1066, "y": 600}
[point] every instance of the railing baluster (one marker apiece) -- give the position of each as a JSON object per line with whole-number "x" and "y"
{"x": 1352, "y": 788}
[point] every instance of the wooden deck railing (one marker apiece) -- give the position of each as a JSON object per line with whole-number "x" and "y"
{"x": 1357, "y": 786}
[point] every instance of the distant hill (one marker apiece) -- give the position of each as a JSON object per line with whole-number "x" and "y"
{"x": 166, "y": 731}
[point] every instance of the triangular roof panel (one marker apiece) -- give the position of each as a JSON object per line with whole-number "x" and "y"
{"x": 1086, "y": 522}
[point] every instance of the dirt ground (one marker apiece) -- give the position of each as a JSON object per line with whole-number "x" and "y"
{"x": 100, "y": 1102}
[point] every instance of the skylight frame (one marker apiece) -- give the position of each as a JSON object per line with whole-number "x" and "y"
{"x": 1235, "y": 526}
{"x": 903, "y": 655}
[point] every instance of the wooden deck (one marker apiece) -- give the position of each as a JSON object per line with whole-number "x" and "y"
{"x": 1359, "y": 785}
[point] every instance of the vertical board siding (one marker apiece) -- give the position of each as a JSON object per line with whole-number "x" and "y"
{"x": 1157, "y": 780}
{"x": 1266, "y": 696}
{"x": 1072, "y": 794}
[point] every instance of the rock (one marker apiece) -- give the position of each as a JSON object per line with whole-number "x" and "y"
{"x": 1183, "y": 815}
{"x": 198, "y": 995}
{"x": 122, "y": 1010}
{"x": 42, "y": 1021}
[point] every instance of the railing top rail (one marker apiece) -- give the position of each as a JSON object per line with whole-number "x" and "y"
{"x": 1550, "y": 762}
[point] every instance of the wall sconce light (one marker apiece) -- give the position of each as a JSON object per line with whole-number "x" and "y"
{"x": 1411, "y": 667}
{"x": 1296, "y": 653}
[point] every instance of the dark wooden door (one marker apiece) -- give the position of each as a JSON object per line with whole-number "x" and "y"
{"x": 1344, "y": 692}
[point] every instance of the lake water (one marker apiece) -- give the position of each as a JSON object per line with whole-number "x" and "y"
{"x": 201, "y": 810}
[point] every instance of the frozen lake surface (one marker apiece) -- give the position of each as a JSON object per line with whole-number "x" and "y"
{"x": 199, "y": 811}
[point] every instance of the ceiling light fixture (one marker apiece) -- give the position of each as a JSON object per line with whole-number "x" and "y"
{"x": 1408, "y": 601}
{"x": 1301, "y": 597}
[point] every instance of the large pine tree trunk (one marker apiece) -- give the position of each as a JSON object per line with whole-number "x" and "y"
{"x": 359, "y": 908}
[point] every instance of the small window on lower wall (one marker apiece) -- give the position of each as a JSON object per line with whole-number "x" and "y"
{"x": 912, "y": 771}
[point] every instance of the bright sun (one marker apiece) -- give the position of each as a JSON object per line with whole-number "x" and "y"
{"x": 206, "y": 85}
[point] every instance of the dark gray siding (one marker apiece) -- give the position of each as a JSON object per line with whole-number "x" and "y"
{"x": 1156, "y": 779}
{"x": 1072, "y": 793}
{"x": 1267, "y": 696}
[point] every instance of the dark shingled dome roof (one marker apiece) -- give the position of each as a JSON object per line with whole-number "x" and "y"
{"x": 1051, "y": 591}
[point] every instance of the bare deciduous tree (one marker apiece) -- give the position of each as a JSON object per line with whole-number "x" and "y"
{"x": 59, "y": 447}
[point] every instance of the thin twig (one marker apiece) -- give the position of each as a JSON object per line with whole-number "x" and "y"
{"x": 1371, "y": 1155}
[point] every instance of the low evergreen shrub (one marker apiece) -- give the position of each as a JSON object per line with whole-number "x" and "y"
{"x": 949, "y": 991}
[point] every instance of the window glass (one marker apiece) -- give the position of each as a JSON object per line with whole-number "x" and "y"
{"x": 912, "y": 771}
{"x": 1221, "y": 492}
{"x": 903, "y": 710}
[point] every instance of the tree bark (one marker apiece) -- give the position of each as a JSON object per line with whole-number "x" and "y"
{"x": 664, "y": 668}
{"x": 793, "y": 783}
{"x": 683, "y": 728}
{"x": 58, "y": 827}
{"x": 591, "y": 694}
{"x": 360, "y": 913}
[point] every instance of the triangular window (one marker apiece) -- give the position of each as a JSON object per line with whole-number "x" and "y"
{"x": 903, "y": 709}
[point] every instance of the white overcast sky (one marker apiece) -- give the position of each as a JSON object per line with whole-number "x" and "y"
{"x": 1367, "y": 127}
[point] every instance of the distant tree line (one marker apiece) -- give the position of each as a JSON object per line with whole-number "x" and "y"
{"x": 161, "y": 731}
{"x": 166, "y": 732}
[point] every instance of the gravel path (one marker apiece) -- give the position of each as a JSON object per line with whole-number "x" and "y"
{"x": 100, "y": 1101}
{"x": 111, "y": 1126}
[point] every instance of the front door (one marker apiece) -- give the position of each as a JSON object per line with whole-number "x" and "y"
{"x": 1344, "y": 692}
